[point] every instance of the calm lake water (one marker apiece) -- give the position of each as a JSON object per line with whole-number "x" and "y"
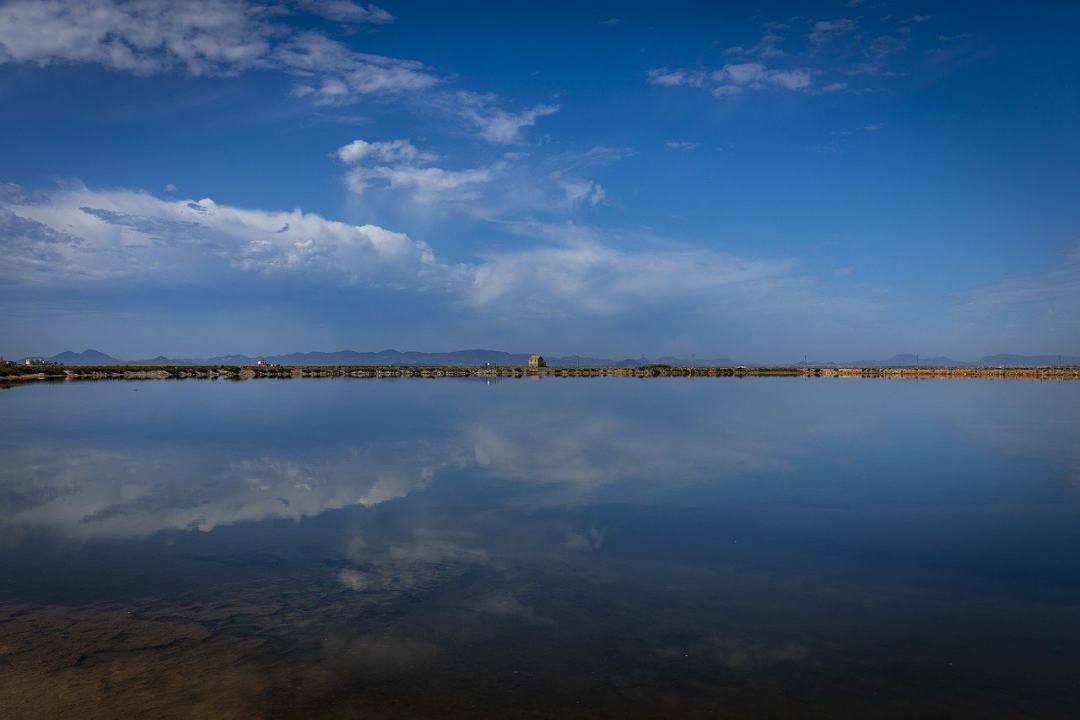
{"x": 559, "y": 548}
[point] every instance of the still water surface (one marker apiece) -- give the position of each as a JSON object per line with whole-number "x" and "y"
{"x": 557, "y": 548}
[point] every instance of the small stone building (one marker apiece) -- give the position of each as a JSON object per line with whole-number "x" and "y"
{"x": 537, "y": 361}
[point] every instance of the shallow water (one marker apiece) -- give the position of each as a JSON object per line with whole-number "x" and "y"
{"x": 769, "y": 547}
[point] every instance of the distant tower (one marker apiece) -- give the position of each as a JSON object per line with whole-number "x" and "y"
{"x": 537, "y": 361}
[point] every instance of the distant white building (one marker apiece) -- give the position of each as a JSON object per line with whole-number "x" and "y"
{"x": 537, "y": 361}
{"x": 37, "y": 361}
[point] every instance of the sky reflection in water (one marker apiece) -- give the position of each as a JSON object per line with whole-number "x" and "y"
{"x": 563, "y": 547}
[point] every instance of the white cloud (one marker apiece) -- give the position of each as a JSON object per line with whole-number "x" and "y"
{"x": 399, "y": 165}
{"x": 200, "y": 37}
{"x": 394, "y": 151}
{"x": 742, "y": 73}
{"x": 429, "y": 183}
{"x": 766, "y": 47}
{"x": 733, "y": 78}
{"x": 140, "y": 36}
{"x": 825, "y": 31}
{"x": 581, "y": 192}
{"x": 589, "y": 276}
{"x": 682, "y": 145}
{"x": 347, "y": 11}
{"x": 791, "y": 79}
{"x": 79, "y": 234}
{"x": 336, "y": 75}
{"x": 229, "y": 37}
{"x": 495, "y": 124}
{"x": 678, "y": 78}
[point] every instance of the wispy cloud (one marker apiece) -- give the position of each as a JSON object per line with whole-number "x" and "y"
{"x": 733, "y": 78}
{"x": 331, "y": 74}
{"x": 817, "y": 57}
{"x": 495, "y": 124}
{"x": 595, "y": 278}
{"x": 347, "y": 11}
{"x": 580, "y": 191}
{"x": 767, "y": 47}
{"x": 400, "y": 166}
{"x": 229, "y": 37}
{"x": 825, "y": 31}
{"x": 147, "y": 37}
{"x": 1034, "y": 310}
{"x": 1051, "y": 294}
{"x": 682, "y": 145}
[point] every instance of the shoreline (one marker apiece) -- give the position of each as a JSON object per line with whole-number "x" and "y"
{"x": 180, "y": 372}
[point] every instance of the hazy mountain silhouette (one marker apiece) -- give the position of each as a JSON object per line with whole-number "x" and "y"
{"x": 476, "y": 357}
{"x": 86, "y": 357}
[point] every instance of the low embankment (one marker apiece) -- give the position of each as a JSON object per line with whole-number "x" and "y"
{"x": 126, "y": 372}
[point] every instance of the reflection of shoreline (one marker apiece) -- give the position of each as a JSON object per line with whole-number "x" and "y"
{"x": 556, "y": 447}
{"x": 54, "y": 373}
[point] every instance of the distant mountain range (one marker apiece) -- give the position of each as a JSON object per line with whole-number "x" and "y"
{"x": 497, "y": 357}
{"x": 351, "y": 357}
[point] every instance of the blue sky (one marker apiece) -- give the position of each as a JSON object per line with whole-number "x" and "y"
{"x": 760, "y": 181}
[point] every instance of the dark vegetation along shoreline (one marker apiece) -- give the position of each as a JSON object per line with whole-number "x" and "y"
{"x": 238, "y": 372}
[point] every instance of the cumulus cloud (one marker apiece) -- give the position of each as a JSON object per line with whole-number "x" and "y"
{"x": 79, "y": 234}
{"x": 394, "y": 151}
